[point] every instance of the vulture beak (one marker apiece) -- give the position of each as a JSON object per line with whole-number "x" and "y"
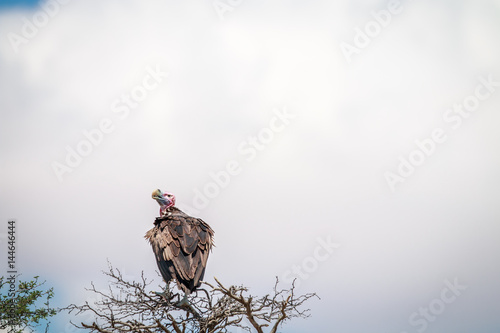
{"x": 163, "y": 199}
{"x": 157, "y": 194}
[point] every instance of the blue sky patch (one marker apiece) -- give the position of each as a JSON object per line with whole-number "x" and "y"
{"x": 18, "y": 3}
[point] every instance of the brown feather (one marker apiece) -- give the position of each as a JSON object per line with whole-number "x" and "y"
{"x": 181, "y": 244}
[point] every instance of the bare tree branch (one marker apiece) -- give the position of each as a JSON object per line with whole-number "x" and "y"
{"x": 130, "y": 306}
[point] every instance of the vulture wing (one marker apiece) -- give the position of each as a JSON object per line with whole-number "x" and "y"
{"x": 181, "y": 244}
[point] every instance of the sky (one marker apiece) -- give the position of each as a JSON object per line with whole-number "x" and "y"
{"x": 352, "y": 145}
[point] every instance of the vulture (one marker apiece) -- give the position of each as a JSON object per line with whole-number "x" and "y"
{"x": 181, "y": 244}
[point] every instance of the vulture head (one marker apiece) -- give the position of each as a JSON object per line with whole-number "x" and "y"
{"x": 165, "y": 200}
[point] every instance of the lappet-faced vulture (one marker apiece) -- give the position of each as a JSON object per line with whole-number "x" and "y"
{"x": 181, "y": 244}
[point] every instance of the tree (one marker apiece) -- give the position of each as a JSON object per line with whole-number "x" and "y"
{"x": 20, "y": 306}
{"x": 133, "y": 307}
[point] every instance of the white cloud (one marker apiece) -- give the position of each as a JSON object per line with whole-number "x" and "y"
{"x": 323, "y": 175}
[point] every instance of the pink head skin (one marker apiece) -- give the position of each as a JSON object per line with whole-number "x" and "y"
{"x": 165, "y": 200}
